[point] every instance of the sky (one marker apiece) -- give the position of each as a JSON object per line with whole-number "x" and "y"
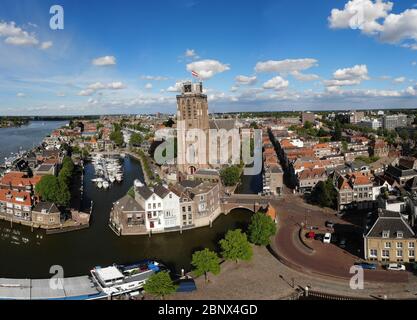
{"x": 114, "y": 57}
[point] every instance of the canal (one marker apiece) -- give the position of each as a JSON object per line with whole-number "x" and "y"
{"x": 26, "y": 254}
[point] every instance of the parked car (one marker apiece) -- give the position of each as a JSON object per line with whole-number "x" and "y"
{"x": 327, "y": 238}
{"x": 342, "y": 243}
{"x": 396, "y": 267}
{"x": 319, "y": 237}
{"x": 329, "y": 224}
{"x": 366, "y": 265}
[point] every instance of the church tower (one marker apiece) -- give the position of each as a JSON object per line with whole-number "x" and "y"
{"x": 192, "y": 113}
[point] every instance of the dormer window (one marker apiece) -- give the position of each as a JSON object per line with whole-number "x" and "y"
{"x": 400, "y": 234}
{"x": 385, "y": 234}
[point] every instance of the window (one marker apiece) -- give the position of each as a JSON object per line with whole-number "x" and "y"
{"x": 373, "y": 253}
{"x": 170, "y": 195}
{"x": 385, "y": 254}
{"x": 411, "y": 253}
{"x": 385, "y": 234}
{"x": 399, "y": 253}
{"x": 411, "y": 245}
{"x": 400, "y": 234}
{"x": 184, "y": 209}
{"x": 399, "y": 245}
{"x": 387, "y": 245}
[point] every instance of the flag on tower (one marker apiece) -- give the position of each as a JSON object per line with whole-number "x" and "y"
{"x": 195, "y": 74}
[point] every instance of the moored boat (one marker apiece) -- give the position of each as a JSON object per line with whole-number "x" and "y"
{"x": 120, "y": 279}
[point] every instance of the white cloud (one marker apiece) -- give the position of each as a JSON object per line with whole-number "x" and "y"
{"x": 285, "y": 66}
{"x": 360, "y": 14}
{"x": 246, "y": 80}
{"x": 86, "y": 92}
{"x": 46, "y": 45}
{"x": 414, "y": 63}
{"x": 154, "y": 78}
{"x": 148, "y": 86}
{"x": 304, "y": 77}
{"x": 17, "y": 36}
{"x": 207, "y": 68}
{"x": 176, "y": 87}
{"x": 400, "y": 80}
{"x": 276, "y": 83}
{"x": 374, "y": 18}
{"x": 358, "y": 72}
{"x": 97, "y": 86}
{"x": 104, "y": 61}
{"x": 348, "y": 77}
{"x": 20, "y": 95}
{"x": 191, "y": 53}
{"x": 116, "y": 85}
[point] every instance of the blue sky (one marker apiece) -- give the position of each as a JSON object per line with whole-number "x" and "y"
{"x": 129, "y": 56}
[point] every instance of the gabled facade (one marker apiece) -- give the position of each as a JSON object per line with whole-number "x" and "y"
{"x": 390, "y": 239}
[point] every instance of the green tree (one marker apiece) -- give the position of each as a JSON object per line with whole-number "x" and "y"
{"x": 205, "y": 261}
{"x": 136, "y": 139}
{"x": 254, "y": 125}
{"x": 117, "y": 138}
{"x": 324, "y": 194}
{"x": 51, "y": 189}
{"x": 308, "y": 125}
{"x": 261, "y": 229}
{"x": 337, "y": 132}
{"x": 404, "y": 134}
{"x": 169, "y": 123}
{"x": 160, "y": 285}
{"x": 230, "y": 175}
{"x": 235, "y": 246}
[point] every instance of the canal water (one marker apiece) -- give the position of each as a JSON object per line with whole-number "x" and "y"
{"x": 25, "y": 137}
{"x": 26, "y": 254}
{"x": 250, "y": 184}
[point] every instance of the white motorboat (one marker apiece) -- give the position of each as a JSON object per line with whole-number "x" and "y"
{"x": 117, "y": 279}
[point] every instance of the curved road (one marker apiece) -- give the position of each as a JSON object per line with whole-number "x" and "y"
{"x": 326, "y": 259}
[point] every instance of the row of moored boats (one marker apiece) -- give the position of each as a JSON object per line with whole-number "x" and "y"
{"x": 108, "y": 171}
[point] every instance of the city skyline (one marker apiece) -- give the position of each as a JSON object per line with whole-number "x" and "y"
{"x": 276, "y": 56}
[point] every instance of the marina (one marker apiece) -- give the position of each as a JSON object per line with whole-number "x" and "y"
{"x": 108, "y": 170}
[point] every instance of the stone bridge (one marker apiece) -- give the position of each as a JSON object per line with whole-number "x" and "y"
{"x": 250, "y": 202}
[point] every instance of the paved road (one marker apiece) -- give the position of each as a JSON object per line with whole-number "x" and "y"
{"x": 326, "y": 259}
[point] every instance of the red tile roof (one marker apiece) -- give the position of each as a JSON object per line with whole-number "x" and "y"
{"x": 18, "y": 179}
{"x": 16, "y": 197}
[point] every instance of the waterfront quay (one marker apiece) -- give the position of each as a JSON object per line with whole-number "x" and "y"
{"x": 76, "y": 288}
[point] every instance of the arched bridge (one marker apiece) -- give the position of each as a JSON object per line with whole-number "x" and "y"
{"x": 250, "y": 202}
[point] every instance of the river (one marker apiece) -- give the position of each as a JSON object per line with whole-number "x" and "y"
{"x": 25, "y": 137}
{"x": 26, "y": 254}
